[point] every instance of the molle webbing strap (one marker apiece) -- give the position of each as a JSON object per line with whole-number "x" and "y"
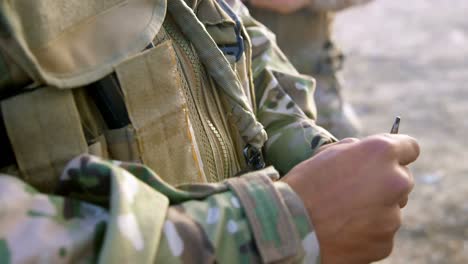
{"x": 45, "y": 132}
{"x": 122, "y": 144}
{"x": 157, "y": 109}
{"x": 219, "y": 69}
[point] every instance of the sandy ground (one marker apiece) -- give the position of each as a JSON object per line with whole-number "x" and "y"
{"x": 410, "y": 58}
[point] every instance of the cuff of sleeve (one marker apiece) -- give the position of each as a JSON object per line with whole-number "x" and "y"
{"x": 303, "y": 224}
{"x": 269, "y": 209}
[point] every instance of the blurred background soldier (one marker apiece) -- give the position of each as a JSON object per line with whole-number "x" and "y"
{"x": 303, "y": 30}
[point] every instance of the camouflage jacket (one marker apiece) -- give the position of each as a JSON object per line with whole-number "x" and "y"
{"x": 203, "y": 52}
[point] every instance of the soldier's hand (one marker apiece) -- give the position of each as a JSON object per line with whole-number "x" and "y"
{"x": 280, "y": 6}
{"x": 353, "y": 191}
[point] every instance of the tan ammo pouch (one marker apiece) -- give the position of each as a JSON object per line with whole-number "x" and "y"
{"x": 66, "y": 44}
{"x": 45, "y": 132}
{"x": 157, "y": 109}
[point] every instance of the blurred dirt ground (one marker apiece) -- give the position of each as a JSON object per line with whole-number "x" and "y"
{"x": 410, "y": 58}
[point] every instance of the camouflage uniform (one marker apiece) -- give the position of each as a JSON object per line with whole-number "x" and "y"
{"x": 185, "y": 107}
{"x": 305, "y": 38}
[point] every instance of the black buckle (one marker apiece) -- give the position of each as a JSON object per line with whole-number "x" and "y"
{"x": 233, "y": 49}
{"x": 254, "y": 157}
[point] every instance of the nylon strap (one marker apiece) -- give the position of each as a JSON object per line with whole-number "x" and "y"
{"x": 219, "y": 69}
{"x": 122, "y": 144}
{"x": 45, "y": 132}
{"x": 158, "y": 112}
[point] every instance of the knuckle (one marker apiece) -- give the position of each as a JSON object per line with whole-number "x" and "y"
{"x": 380, "y": 144}
{"x": 401, "y": 185}
{"x": 405, "y": 183}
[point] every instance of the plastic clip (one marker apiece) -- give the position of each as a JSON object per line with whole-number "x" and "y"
{"x": 254, "y": 157}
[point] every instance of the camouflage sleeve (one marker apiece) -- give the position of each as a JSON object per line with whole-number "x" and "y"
{"x": 284, "y": 98}
{"x": 114, "y": 212}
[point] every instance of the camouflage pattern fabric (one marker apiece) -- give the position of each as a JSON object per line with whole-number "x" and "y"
{"x": 281, "y": 94}
{"x": 284, "y": 100}
{"x": 122, "y": 212}
{"x": 305, "y": 37}
{"x": 107, "y": 213}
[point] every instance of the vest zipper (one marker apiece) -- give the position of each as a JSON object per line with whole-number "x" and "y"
{"x": 214, "y": 150}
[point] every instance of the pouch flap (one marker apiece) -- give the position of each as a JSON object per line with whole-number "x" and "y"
{"x": 73, "y": 43}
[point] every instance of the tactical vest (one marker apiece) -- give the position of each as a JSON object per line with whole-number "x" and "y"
{"x": 305, "y": 38}
{"x": 126, "y": 81}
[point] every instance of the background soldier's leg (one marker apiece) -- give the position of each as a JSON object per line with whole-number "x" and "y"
{"x": 334, "y": 113}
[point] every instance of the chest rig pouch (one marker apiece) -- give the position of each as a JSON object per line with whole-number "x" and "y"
{"x": 50, "y": 125}
{"x": 60, "y": 46}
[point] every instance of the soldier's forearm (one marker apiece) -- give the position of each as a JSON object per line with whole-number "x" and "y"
{"x": 255, "y": 222}
{"x": 127, "y": 217}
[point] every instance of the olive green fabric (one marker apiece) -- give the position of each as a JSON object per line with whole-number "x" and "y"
{"x": 164, "y": 134}
{"x": 99, "y": 147}
{"x": 27, "y": 118}
{"x": 81, "y": 46}
{"x": 12, "y": 77}
{"x": 122, "y": 144}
